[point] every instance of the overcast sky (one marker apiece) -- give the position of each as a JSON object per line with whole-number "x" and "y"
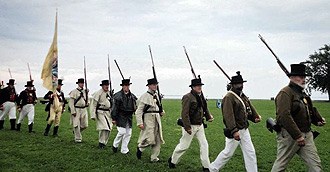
{"x": 226, "y": 31}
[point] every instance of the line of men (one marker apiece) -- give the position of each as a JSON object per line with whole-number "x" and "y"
{"x": 293, "y": 115}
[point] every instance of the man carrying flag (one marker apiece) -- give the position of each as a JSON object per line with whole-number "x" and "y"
{"x": 51, "y": 82}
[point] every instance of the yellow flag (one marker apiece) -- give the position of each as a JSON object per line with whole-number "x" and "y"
{"x": 49, "y": 73}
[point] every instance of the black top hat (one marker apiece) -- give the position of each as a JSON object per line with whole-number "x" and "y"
{"x": 237, "y": 79}
{"x": 104, "y": 82}
{"x": 80, "y": 80}
{"x": 298, "y": 70}
{"x": 29, "y": 84}
{"x": 195, "y": 82}
{"x": 125, "y": 82}
{"x": 60, "y": 82}
{"x": 152, "y": 81}
{"x": 11, "y": 82}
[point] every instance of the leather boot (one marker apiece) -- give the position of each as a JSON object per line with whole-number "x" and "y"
{"x": 55, "y": 131}
{"x": 1, "y": 124}
{"x": 47, "y": 130}
{"x": 18, "y": 127}
{"x": 31, "y": 128}
{"x": 12, "y": 124}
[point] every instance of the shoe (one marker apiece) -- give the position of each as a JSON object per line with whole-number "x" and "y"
{"x": 138, "y": 153}
{"x": 170, "y": 164}
{"x": 47, "y": 130}
{"x": 155, "y": 160}
{"x": 114, "y": 149}
{"x": 78, "y": 141}
{"x": 18, "y": 127}
{"x": 128, "y": 153}
{"x": 206, "y": 169}
{"x": 55, "y": 131}
{"x": 101, "y": 146}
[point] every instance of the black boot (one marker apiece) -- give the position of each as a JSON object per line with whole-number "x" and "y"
{"x": 170, "y": 164}
{"x": 47, "y": 130}
{"x": 12, "y": 124}
{"x": 101, "y": 146}
{"x": 30, "y": 128}
{"x": 55, "y": 131}
{"x": 1, "y": 124}
{"x": 18, "y": 127}
{"x": 138, "y": 153}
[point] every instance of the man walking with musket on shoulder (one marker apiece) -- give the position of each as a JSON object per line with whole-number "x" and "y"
{"x": 78, "y": 104}
{"x": 101, "y": 112}
{"x": 148, "y": 119}
{"x": 122, "y": 114}
{"x": 294, "y": 115}
{"x": 194, "y": 109}
{"x": 237, "y": 110}
{"x": 7, "y": 103}
{"x": 25, "y": 102}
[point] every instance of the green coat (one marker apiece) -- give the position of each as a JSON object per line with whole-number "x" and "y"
{"x": 192, "y": 111}
{"x": 235, "y": 114}
{"x": 292, "y": 112}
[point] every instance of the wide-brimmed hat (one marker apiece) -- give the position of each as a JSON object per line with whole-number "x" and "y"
{"x": 60, "y": 82}
{"x": 29, "y": 84}
{"x": 237, "y": 79}
{"x": 125, "y": 82}
{"x": 298, "y": 70}
{"x": 80, "y": 80}
{"x": 196, "y": 82}
{"x": 104, "y": 82}
{"x": 11, "y": 82}
{"x": 152, "y": 81}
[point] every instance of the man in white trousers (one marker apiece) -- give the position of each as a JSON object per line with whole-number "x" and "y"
{"x": 25, "y": 102}
{"x": 122, "y": 114}
{"x": 7, "y": 103}
{"x": 194, "y": 109}
{"x": 237, "y": 110}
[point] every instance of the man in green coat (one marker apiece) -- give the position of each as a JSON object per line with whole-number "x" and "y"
{"x": 294, "y": 114}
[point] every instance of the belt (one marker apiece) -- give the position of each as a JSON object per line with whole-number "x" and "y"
{"x": 103, "y": 109}
{"x": 79, "y": 107}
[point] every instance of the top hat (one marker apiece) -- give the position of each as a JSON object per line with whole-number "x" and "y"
{"x": 152, "y": 81}
{"x": 237, "y": 79}
{"x": 80, "y": 80}
{"x": 125, "y": 82}
{"x": 195, "y": 82}
{"x": 104, "y": 82}
{"x": 60, "y": 82}
{"x": 29, "y": 84}
{"x": 297, "y": 70}
{"x": 11, "y": 82}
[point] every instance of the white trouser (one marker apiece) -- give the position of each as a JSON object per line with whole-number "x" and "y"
{"x": 104, "y": 136}
{"x": 9, "y": 108}
{"x": 123, "y": 136}
{"x": 247, "y": 147}
{"x": 28, "y": 110}
{"x": 180, "y": 149}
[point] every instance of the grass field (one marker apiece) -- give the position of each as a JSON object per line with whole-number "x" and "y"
{"x": 22, "y": 151}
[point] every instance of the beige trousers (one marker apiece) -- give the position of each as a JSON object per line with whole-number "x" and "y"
{"x": 288, "y": 147}
{"x": 79, "y": 122}
{"x": 156, "y": 147}
{"x": 54, "y": 116}
{"x": 104, "y": 136}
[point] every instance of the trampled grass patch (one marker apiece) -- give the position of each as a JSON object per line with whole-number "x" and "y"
{"x": 22, "y": 151}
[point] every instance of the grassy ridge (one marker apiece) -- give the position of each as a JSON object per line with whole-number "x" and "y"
{"x": 22, "y": 151}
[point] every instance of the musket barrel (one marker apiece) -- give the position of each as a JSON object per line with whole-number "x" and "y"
{"x": 119, "y": 69}
{"x": 222, "y": 70}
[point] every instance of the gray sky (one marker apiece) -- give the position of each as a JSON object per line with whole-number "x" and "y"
{"x": 226, "y": 31}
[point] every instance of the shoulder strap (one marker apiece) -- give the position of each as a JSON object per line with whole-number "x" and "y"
{"x": 233, "y": 93}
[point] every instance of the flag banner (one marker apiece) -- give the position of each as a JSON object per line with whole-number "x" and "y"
{"x": 49, "y": 73}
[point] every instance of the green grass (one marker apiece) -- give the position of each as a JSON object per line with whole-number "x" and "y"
{"x": 22, "y": 151}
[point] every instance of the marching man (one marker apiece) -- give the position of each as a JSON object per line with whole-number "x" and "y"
{"x": 26, "y": 101}
{"x": 8, "y": 99}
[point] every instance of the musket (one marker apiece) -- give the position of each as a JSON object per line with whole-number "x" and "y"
{"x": 85, "y": 76}
{"x": 154, "y": 73}
{"x": 119, "y": 69}
{"x": 277, "y": 59}
{"x": 199, "y": 77}
{"x": 30, "y": 72}
{"x": 110, "y": 83}
{"x": 10, "y": 73}
{"x": 191, "y": 68}
{"x": 222, "y": 70}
